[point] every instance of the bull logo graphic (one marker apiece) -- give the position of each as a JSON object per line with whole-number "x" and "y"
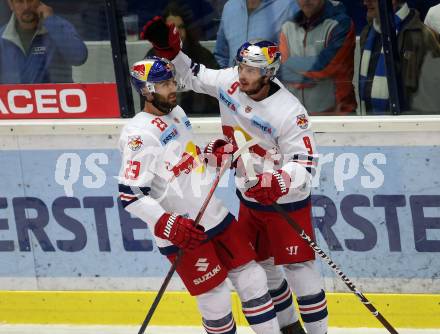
{"x": 135, "y": 143}
{"x": 141, "y": 71}
{"x": 185, "y": 165}
{"x": 302, "y": 121}
{"x": 190, "y": 161}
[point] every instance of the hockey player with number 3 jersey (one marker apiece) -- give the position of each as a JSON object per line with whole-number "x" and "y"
{"x": 164, "y": 181}
{"x": 254, "y": 102}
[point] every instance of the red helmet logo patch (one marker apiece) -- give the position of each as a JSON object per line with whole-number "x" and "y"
{"x": 271, "y": 51}
{"x": 139, "y": 70}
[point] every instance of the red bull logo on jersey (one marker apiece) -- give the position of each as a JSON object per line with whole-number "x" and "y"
{"x": 185, "y": 165}
{"x": 190, "y": 161}
{"x": 302, "y": 121}
{"x": 135, "y": 143}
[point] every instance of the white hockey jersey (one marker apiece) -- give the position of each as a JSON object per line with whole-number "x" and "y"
{"x": 279, "y": 121}
{"x": 162, "y": 171}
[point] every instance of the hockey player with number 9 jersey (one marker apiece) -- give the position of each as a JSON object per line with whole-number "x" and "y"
{"x": 164, "y": 181}
{"x": 254, "y": 102}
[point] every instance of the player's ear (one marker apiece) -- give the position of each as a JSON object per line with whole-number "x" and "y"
{"x": 149, "y": 96}
{"x": 146, "y": 93}
{"x": 269, "y": 73}
{"x": 267, "y": 78}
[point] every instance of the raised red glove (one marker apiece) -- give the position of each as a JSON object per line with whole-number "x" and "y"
{"x": 180, "y": 231}
{"x": 217, "y": 152}
{"x": 165, "y": 38}
{"x": 270, "y": 187}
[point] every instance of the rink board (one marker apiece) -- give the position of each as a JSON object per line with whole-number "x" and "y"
{"x": 180, "y": 309}
{"x": 376, "y": 213}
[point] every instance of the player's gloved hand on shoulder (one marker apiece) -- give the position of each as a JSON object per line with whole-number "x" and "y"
{"x": 165, "y": 38}
{"x": 270, "y": 187}
{"x": 218, "y": 151}
{"x": 180, "y": 231}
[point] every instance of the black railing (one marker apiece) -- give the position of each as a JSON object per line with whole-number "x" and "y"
{"x": 119, "y": 54}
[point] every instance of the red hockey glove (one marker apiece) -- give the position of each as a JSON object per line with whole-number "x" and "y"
{"x": 165, "y": 38}
{"x": 218, "y": 151}
{"x": 180, "y": 231}
{"x": 270, "y": 187}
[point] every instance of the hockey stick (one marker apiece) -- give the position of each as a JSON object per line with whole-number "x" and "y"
{"x": 335, "y": 268}
{"x": 176, "y": 261}
{"x": 251, "y": 175}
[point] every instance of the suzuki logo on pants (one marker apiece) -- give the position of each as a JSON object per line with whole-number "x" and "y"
{"x": 202, "y": 264}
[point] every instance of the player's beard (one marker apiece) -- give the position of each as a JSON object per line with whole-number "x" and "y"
{"x": 164, "y": 104}
{"x": 259, "y": 86}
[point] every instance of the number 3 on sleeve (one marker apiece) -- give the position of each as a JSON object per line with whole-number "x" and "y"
{"x": 132, "y": 170}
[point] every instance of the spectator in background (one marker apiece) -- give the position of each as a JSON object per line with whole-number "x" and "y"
{"x": 432, "y": 19}
{"x": 422, "y": 6}
{"x": 317, "y": 50}
{"x": 418, "y": 62}
{"x": 5, "y": 12}
{"x": 244, "y": 20}
{"x": 87, "y": 16}
{"x": 217, "y": 5}
{"x": 181, "y": 16}
{"x": 203, "y": 14}
{"x": 356, "y": 10}
{"x": 37, "y": 46}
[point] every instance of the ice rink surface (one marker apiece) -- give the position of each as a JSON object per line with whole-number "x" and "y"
{"x": 67, "y": 329}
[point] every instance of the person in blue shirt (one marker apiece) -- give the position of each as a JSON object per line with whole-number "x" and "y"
{"x": 37, "y": 46}
{"x": 244, "y": 20}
